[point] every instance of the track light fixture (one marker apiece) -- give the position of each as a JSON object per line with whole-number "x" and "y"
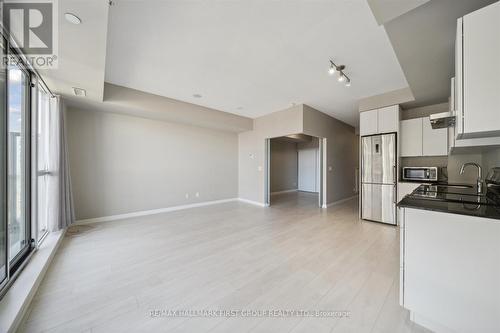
{"x": 342, "y": 77}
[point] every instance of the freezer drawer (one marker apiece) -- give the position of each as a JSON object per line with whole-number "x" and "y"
{"x": 378, "y": 203}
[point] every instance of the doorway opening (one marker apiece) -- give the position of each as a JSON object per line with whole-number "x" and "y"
{"x": 295, "y": 170}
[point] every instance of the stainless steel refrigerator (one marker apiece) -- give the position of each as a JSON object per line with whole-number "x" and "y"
{"x": 379, "y": 178}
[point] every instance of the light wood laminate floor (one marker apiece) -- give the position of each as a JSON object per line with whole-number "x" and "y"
{"x": 108, "y": 277}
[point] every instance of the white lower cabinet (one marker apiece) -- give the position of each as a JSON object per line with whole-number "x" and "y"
{"x": 404, "y": 188}
{"x": 451, "y": 271}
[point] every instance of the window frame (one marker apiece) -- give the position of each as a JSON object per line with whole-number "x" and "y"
{"x": 18, "y": 262}
{"x": 37, "y": 87}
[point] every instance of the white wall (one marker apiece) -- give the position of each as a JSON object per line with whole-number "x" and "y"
{"x": 121, "y": 164}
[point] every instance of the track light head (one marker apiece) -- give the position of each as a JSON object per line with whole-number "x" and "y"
{"x": 332, "y": 69}
{"x": 341, "y": 77}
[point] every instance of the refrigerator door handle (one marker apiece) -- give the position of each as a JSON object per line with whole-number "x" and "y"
{"x": 395, "y": 199}
{"x": 395, "y": 176}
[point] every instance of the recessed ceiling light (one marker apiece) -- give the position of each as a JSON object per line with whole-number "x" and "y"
{"x": 72, "y": 18}
{"x": 197, "y": 96}
{"x": 79, "y": 92}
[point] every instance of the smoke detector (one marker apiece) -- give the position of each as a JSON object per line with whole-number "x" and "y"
{"x": 80, "y": 92}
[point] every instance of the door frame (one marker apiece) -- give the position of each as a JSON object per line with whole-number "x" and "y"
{"x": 322, "y": 172}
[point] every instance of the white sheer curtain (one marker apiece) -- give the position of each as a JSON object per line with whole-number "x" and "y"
{"x": 66, "y": 207}
{"x": 55, "y": 202}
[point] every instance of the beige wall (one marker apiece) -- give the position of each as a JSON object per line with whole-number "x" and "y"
{"x": 121, "y": 164}
{"x": 488, "y": 159}
{"x": 491, "y": 159}
{"x": 424, "y": 111}
{"x": 252, "y": 147}
{"x": 341, "y": 150}
{"x": 284, "y": 165}
{"x": 390, "y": 98}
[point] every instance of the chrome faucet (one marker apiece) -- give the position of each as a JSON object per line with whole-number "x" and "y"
{"x": 479, "y": 175}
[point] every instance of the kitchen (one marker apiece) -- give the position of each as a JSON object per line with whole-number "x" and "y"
{"x": 434, "y": 171}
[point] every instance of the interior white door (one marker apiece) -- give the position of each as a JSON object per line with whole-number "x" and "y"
{"x": 308, "y": 170}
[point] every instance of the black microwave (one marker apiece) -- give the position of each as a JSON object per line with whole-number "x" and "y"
{"x": 429, "y": 174}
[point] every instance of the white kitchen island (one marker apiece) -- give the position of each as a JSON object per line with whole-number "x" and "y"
{"x": 450, "y": 270}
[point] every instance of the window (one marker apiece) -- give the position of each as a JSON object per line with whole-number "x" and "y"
{"x": 43, "y": 162}
{"x": 18, "y": 162}
{"x": 16, "y": 228}
{"x": 27, "y": 167}
{"x": 3, "y": 215}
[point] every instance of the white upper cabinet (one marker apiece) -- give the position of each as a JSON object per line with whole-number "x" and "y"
{"x": 368, "y": 122}
{"x": 385, "y": 120}
{"x": 459, "y": 99}
{"x": 411, "y": 137}
{"x": 434, "y": 141}
{"x": 478, "y": 73}
{"x": 388, "y": 119}
{"x": 419, "y": 139}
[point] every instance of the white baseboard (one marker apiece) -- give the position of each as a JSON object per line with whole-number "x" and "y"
{"x": 152, "y": 211}
{"x": 340, "y": 201}
{"x": 253, "y": 202}
{"x": 281, "y": 192}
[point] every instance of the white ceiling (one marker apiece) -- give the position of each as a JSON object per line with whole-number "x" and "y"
{"x": 252, "y": 57}
{"x": 384, "y": 10}
{"x": 82, "y": 49}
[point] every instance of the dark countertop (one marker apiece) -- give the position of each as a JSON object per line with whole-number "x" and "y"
{"x": 453, "y": 200}
{"x": 485, "y": 211}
